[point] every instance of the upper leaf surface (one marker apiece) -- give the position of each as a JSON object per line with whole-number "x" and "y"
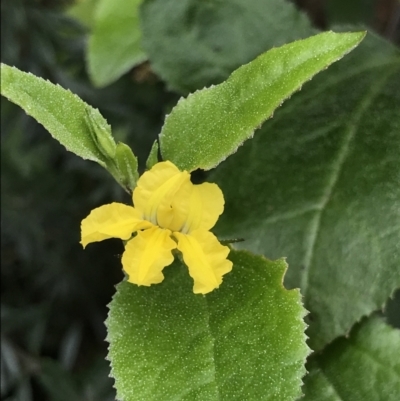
{"x": 202, "y": 42}
{"x": 61, "y": 112}
{"x": 321, "y": 186}
{"x": 115, "y": 42}
{"x": 364, "y": 367}
{"x": 244, "y": 341}
{"x": 209, "y": 125}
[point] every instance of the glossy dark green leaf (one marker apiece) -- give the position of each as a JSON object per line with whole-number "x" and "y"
{"x": 320, "y": 185}
{"x": 244, "y": 341}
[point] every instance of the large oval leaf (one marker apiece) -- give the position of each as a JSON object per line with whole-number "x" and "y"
{"x": 244, "y": 341}
{"x": 321, "y": 186}
{"x": 209, "y": 125}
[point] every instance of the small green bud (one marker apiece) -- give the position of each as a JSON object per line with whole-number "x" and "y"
{"x": 100, "y": 132}
{"x": 153, "y": 156}
{"x": 127, "y": 165}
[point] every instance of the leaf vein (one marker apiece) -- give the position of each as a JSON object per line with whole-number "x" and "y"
{"x": 332, "y": 386}
{"x": 291, "y": 214}
{"x": 375, "y": 359}
{"x": 350, "y": 133}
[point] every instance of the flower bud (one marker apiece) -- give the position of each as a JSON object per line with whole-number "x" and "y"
{"x": 100, "y": 132}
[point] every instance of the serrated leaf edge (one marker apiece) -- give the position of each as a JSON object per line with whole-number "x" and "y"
{"x": 300, "y": 319}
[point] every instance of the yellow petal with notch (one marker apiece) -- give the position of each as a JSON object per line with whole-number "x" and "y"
{"x": 115, "y": 220}
{"x": 155, "y": 191}
{"x": 147, "y": 254}
{"x": 206, "y": 259}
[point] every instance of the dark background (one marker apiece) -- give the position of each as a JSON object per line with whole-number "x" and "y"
{"x": 54, "y": 295}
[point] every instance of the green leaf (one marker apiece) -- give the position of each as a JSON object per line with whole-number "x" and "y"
{"x": 320, "y": 185}
{"x": 209, "y": 125}
{"x": 244, "y": 341}
{"x": 61, "y": 112}
{"x": 83, "y": 11}
{"x": 364, "y": 367}
{"x": 114, "y": 45}
{"x": 127, "y": 166}
{"x": 202, "y": 42}
{"x": 153, "y": 156}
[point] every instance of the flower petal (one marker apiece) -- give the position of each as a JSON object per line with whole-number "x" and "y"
{"x": 205, "y": 258}
{"x": 155, "y": 191}
{"x": 201, "y": 207}
{"x": 147, "y": 254}
{"x": 115, "y": 220}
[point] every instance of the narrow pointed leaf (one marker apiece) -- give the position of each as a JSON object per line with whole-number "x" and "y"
{"x": 244, "y": 341}
{"x": 61, "y": 112}
{"x": 209, "y": 125}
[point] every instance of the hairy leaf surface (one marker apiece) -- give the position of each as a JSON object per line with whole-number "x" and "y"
{"x": 244, "y": 341}
{"x": 320, "y": 185}
{"x": 202, "y": 42}
{"x": 209, "y": 125}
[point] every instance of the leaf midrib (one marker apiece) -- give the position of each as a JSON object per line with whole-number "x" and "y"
{"x": 337, "y": 168}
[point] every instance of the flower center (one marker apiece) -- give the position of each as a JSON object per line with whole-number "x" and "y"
{"x": 158, "y": 209}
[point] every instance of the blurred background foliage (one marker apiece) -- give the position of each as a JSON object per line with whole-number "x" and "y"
{"x": 54, "y": 295}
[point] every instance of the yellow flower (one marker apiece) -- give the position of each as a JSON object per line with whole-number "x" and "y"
{"x": 170, "y": 212}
